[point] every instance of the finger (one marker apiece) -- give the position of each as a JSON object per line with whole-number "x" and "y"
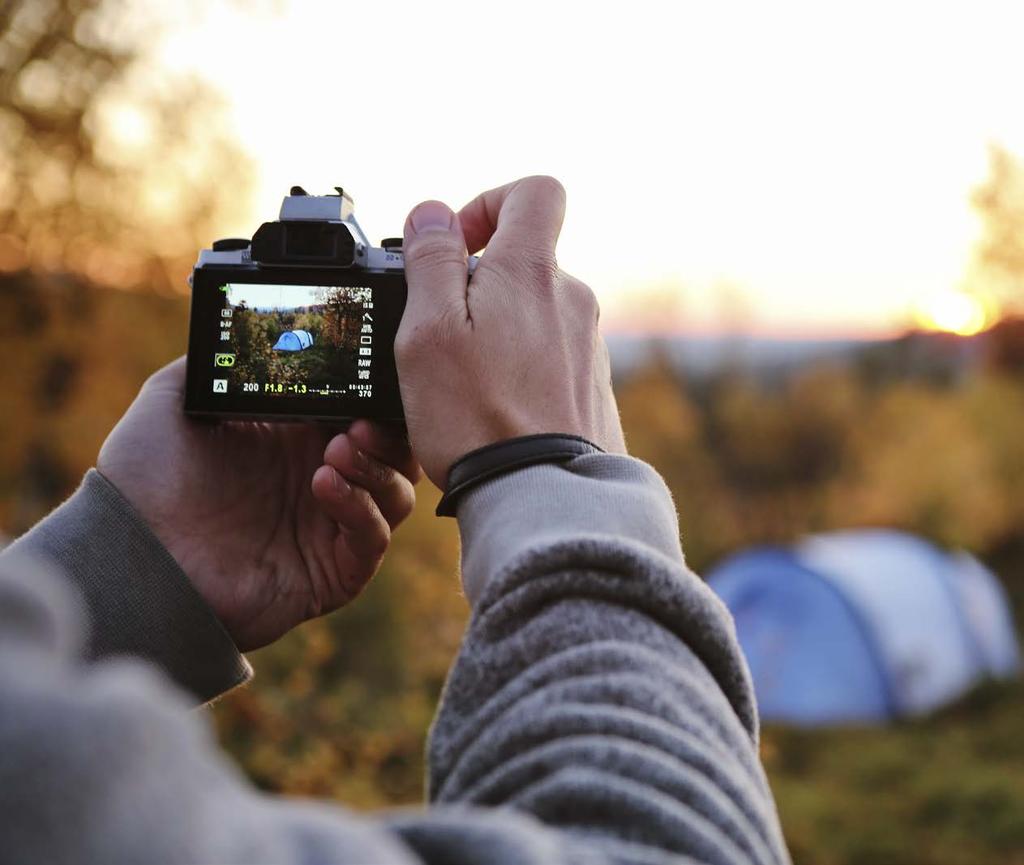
{"x": 391, "y": 491}
{"x": 435, "y": 265}
{"x": 526, "y": 214}
{"x": 364, "y": 530}
{"x": 170, "y": 377}
{"x": 363, "y": 534}
{"x": 388, "y": 444}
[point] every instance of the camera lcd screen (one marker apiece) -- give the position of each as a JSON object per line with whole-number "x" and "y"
{"x": 264, "y": 345}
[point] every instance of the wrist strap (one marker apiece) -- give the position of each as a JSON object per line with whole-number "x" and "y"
{"x": 506, "y": 456}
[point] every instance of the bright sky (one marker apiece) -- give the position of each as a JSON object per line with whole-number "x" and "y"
{"x": 272, "y": 296}
{"x": 779, "y": 167}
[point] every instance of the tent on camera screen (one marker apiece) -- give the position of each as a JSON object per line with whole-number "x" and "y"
{"x": 865, "y": 625}
{"x": 293, "y": 340}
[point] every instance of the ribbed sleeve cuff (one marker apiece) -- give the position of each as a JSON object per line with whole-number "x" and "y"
{"x": 138, "y": 601}
{"x": 593, "y": 496}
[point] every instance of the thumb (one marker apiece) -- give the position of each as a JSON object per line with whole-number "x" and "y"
{"x": 435, "y": 263}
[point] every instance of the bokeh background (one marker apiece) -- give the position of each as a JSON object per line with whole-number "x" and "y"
{"x": 806, "y": 226}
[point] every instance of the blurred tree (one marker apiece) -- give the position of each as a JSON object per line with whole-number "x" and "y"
{"x": 110, "y": 168}
{"x": 342, "y": 316}
{"x": 1004, "y": 346}
{"x": 113, "y": 172}
{"x": 916, "y": 461}
{"x": 998, "y": 267}
{"x": 252, "y": 342}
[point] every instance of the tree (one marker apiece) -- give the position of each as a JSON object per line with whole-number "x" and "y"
{"x": 112, "y": 173}
{"x": 998, "y": 266}
{"x": 341, "y": 316}
{"x": 109, "y": 168}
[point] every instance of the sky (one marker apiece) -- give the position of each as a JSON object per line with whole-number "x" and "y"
{"x": 272, "y": 296}
{"x": 281, "y": 297}
{"x": 779, "y": 168}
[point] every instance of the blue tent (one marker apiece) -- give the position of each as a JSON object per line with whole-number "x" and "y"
{"x": 865, "y": 625}
{"x": 293, "y": 340}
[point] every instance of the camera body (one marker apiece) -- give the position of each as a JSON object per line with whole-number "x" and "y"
{"x": 298, "y": 323}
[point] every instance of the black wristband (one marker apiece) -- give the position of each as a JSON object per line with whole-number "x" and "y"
{"x": 505, "y": 456}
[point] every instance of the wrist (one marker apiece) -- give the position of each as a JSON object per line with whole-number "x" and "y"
{"x": 593, "y": 497}
{"x": 138, "y": 600}
{"x": 501, "y": 457}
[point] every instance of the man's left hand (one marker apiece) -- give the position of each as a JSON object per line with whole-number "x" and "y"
{"x": 274, "y": 524}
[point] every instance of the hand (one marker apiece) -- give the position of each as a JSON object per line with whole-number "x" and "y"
{"x": 518, "y": 351}
{"x": 273, "y": 523}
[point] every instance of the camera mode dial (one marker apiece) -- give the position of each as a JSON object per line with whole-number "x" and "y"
{"x": 230, "y": 244}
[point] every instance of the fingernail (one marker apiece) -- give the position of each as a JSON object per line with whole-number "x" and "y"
{"x": 341, "y": 487}
{"x": 431, "y": 216}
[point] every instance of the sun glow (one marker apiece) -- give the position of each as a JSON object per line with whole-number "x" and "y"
{"x": 954, "y": 312}
{"x": 712, "y": 175}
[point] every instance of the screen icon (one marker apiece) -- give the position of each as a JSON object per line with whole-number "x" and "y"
{"x": 227, "y": 312}
{"x": 220, "y": 385}
{"x": 223, "y": 360}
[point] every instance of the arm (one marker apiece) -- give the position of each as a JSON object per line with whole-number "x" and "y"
{"x": 598, "y": 701}
{"x": 600, "y": 688}
{"x": 103, "y": 762}
{"x": 610, "y": 738}
{"x": 195, "y": 541}
{"x": 137, "y": 601}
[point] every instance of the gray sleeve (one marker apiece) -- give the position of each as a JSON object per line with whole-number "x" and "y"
{"x": 137, "y": 601}
{"x": 598, "y": 711}
{"x": 104, "y": 763}
{"x": 600, "y": 687}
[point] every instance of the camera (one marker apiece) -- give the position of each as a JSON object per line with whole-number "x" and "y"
{"x": 298, "y": 323}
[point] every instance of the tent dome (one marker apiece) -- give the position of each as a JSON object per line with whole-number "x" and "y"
{"x": 864, "y": 625}
{"x": 293, "y": 340}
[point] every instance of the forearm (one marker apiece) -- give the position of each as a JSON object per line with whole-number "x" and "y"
{"x": 101, "y": 762}
{"x": 600, "y": 686}
{"x": 137, "y": 600}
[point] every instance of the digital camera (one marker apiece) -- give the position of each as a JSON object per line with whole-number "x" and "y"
{"x": 299, "y": 323}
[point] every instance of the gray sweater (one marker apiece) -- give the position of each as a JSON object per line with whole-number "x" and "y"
{"x": 599, "y": 709}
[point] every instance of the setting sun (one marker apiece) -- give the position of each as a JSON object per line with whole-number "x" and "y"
{"x": 953, "y": 311}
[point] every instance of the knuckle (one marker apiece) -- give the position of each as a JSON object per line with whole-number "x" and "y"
{"x": 544, "y": 185}
{"x": 411, "y": 342}
{"x": 543, "y": 269}
{"x": 380, "y": 473}
{"x": 406, "y": 502}
{"x": 582, "y": 297}
{"x": 378, "y": 538}
{"x": 371, "y": 525}
{"x": 437, "y": 250}
{"x": 447, "y": 325}
{"x": 527, "y": 267}
{"x": 425, "y": 338}
{"x": 405, "y": 341}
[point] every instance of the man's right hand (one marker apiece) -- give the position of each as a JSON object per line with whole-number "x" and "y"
{"x": 517, "y": 350}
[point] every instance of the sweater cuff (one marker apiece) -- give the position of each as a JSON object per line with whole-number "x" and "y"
{"x": 593, "y": 496}
{"x": 138, "y": 601}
